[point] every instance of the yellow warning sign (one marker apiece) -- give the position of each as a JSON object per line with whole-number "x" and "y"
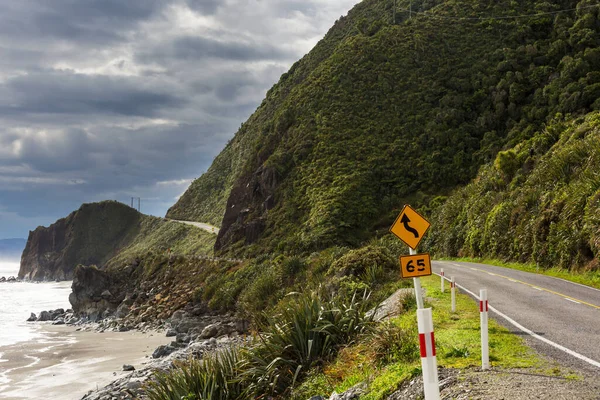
{"x": 415, "y": 266}
{"x": 410, "y": 227}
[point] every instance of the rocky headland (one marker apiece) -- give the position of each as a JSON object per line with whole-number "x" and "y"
{"x": 91, "y": 235}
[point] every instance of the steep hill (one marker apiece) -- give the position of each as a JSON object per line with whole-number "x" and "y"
{"x": 101, "y": 233}
{"x": 380, "y": 114}
{"x": 539, "y": 202}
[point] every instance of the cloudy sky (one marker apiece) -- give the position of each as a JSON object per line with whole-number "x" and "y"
{"x": 109, "y": 99}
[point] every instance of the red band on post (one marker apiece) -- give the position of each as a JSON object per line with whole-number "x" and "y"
{"x": 481, "y": 306}
{"x": 422, "y": 345}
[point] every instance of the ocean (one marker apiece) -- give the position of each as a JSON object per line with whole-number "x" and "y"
{"x": 18, "y": 300}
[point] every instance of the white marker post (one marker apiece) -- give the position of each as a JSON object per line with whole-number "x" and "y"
{"x": 483, "y": 313}
{"x": 428, "y": 358}
{"x": 417, "y": 283}
{"x": 453, "y": 292}
{"x": 443, "y": 279}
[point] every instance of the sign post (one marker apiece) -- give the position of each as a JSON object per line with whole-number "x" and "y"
{"x": 443, "y": 279}
{"x": 453, "y": 293}
{"x": 410, "y": 227}
{"x": 483, "y": 312}
{"x": 431, "y": 384}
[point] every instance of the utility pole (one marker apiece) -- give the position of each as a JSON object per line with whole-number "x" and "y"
{"x": 139, "y": 203}
{"x": 410, "y": 10}
{"x": 394, "y": 13}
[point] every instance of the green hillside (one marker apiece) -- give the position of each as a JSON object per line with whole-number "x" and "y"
{"x": 105, "y": 233}
{"x": 539, "y": 202}
{"x": 380, "y": 114}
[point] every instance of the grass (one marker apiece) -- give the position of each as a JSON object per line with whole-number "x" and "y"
{"x": 588, "y": 278}
{"x": 307, "y": 332}
{"x": 157, "y": 235}
{"x": 457, "y": 341}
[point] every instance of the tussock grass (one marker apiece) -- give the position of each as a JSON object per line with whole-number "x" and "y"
{"x": 308, "y": 331}
{"x": 389, "y": 356}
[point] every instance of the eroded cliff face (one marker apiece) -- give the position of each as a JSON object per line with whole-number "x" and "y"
{"x": 89, "y": 236}
{"x": 247, "y": 207}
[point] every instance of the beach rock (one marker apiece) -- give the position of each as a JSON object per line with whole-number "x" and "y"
{"x": 58, "y": 321}
{"x": 122, "y": 311}
{"x": 171, "y": 332}
{"x": 163, "y": 351}
{"x": 353, "y": 393}
{"x": 210, "y": 331}
{"x": 11, "y": 279}
{"x": 90, "y": 293}
{"x": 128, "y": 367}
{"x": 44, "y": 316}
{"x": 134, "y": 385}
{"x": 2, "y": 279}
{"x": 32, "y": 318}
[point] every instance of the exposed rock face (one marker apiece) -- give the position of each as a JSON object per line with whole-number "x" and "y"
{"x": 89, "y": 236}
{"x": 92, "y": 295}
{"x": 247, "y": 207}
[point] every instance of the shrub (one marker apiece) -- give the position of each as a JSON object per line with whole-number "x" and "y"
{"x": 307, "y": 332}
{"x": 212, "y": 378}
{"x": 392, "y": 343}
{"x": 357, "y": 262}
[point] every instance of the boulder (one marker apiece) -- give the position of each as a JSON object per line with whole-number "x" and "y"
{"x": 32, "y": 318}
{"x": 128, "y": 367}
{"x": 2, "y": 279}
{"x": 163, "y": 351}
{"x": 44, "y": 316}
{"x": 210, "y": 331}
{"x": 171, "y": 332}
{"x": 353, "y": 393}
{"x": 90, "y": 293}
{"x": 122, "y": 311}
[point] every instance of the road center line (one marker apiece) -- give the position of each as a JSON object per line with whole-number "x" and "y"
{"x": 533, "y": 334}
{"x": 543, "y": 289}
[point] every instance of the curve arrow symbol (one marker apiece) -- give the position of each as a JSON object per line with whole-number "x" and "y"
{"x": 406, "y": 221}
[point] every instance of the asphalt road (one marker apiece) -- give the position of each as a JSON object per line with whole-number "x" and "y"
{"x": 560, "y": 319}
{"x": 201, "y": 225}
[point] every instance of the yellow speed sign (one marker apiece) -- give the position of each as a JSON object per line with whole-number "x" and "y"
{"x": 415, "y": 266}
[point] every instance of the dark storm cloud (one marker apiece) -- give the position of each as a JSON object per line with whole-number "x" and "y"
{"x": 109, "y": 99}
{"x": 70, "y": 93}
{"x": 207, "y": 7}
{"x": 95, "y": 21}
{"x": 194, "y": 48}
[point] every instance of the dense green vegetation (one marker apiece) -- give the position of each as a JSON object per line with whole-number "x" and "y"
{"x": 383, "y": 113}
{"x": 343, "y": 346}
{"x": 379, "y": 114}
{"x": 306, "y": 332}
{"x": 539, "y": 202}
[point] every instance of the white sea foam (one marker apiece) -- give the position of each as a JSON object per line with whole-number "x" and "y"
{"x": 18, "y": 300}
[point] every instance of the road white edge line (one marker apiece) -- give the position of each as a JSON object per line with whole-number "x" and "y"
{"x": 573, "y": 301}
{"x": 549, "y": 276}
{"x": 574, "y": 283}
{"x": 533, "y": 334}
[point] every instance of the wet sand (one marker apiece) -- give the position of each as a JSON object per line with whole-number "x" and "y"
{"x": 66, "y": 364}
